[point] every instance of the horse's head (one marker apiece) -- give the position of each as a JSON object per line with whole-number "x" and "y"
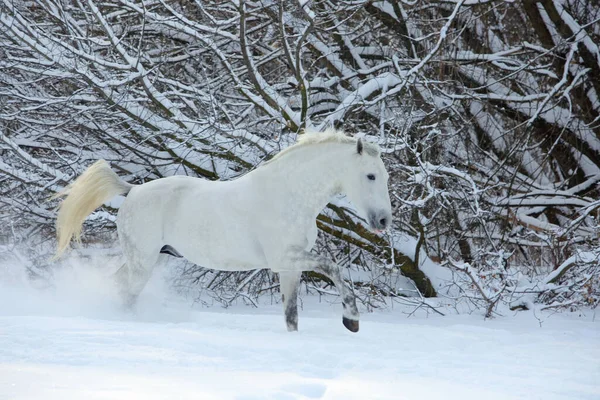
{"x": 366, "y": 185}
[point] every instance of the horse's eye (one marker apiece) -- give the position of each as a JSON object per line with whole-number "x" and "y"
{"x": 371, "y": 177}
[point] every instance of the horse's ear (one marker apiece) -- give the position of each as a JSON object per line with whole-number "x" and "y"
{"x": 359, "y": 146}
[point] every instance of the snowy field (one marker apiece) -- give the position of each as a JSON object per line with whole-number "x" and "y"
{"x": 72, "y": 343}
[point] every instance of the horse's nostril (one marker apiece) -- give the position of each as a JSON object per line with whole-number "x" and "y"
{"x": 383, "y": 222}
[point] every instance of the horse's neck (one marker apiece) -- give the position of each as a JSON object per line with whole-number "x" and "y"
{"x": 311, "y": 175}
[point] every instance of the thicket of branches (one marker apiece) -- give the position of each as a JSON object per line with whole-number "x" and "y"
{"x": 488, "y": 112}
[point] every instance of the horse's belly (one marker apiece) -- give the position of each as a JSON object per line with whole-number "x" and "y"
{"x": 222, "y": 253}
{"x": 215, "y": 240}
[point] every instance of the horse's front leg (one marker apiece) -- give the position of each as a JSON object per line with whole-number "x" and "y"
{"x": 288, "y": 286}
{"x": 311, "y": 262}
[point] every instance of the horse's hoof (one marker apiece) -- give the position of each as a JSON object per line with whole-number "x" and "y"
{"x": 350, "y": 324}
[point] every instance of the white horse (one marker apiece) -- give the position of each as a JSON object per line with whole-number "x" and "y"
{"x": 266, "y": 218}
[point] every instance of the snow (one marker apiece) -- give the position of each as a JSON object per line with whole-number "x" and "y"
{"x": 73, "y": 342}
{"x": 580, "y": 34}
{"x": 379, "y": 83}
{"x": 438, "y": 275}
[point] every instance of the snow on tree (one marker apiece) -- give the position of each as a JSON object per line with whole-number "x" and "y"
{"x": 488, "y": 112}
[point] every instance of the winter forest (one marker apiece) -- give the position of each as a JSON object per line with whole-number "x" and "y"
{"x": 487, "y": 112}
{"x": 485, "y": 286}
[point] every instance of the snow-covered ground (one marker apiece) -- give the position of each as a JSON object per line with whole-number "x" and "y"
{"x": 74, "y": 343}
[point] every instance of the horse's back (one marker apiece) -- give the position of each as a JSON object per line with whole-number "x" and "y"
{"x": 158, "y": 201}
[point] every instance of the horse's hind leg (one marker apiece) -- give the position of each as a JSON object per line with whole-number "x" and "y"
{"x": 121, "y": 278}
{"x": 288, "y": 286}
{"x": 131, "y": 280}
{"x": 133, "y": 276}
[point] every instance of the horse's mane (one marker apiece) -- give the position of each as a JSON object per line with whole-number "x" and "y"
{"x": 327, "y": 136}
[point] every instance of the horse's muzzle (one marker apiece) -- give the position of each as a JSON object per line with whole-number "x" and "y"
{"x": 380, "y": 221}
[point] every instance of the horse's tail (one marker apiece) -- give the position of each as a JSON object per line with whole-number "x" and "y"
{"x": 95, "y": 186}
